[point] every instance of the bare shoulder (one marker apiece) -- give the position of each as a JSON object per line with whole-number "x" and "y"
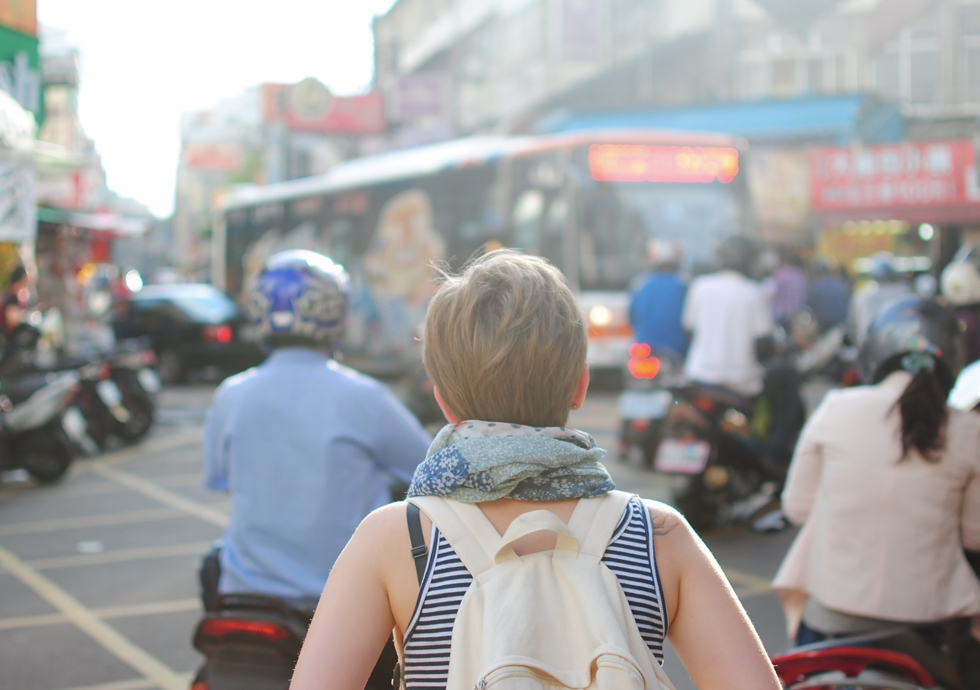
{"x": 664, "y": 519}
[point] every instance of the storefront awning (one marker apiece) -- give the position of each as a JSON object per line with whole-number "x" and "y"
{"x": 120, "y": 226}
{"x": 839, "y": 119}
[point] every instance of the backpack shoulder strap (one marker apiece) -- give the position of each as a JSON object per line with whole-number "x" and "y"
{"x": 595, "y": 519}
{"x": 419, "y": 552}
{"x": 474, "y": 539}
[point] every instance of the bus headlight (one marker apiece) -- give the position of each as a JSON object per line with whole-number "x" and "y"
{"x": 600, "y": 315}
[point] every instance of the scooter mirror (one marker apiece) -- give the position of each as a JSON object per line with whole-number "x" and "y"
{"x": 966, "y": 393}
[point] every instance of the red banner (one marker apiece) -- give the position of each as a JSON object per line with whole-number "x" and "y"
{"x": 894, "y": 176}
{"x": 304, "y": 107}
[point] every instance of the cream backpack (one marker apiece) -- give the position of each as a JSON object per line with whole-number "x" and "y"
{"x": 555, "y": 619}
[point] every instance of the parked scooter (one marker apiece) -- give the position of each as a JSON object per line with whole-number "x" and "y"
{"x": 40, "y": 429}
{"x": 890, "y": 660}
{"x": 646, "y": 400}
{"x": 116, "y": 391}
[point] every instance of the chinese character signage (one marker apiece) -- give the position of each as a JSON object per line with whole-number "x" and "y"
{"x": 894, "y": 176}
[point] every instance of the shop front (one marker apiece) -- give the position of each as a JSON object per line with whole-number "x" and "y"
{"x": 913, "y": 199}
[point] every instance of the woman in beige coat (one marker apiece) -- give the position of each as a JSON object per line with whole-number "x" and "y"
{"x": 886, "y": 483}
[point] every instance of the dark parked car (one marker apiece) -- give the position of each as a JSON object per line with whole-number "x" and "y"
{"x": 191, "y": 327}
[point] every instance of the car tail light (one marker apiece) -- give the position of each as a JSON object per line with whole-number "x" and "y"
{"x": 218, "y": 334}
{"x": 852, "y": 661}
{"x": 223, "y": 627}
{"x": 642, "y": 364}
{"x": 704, "y": 404}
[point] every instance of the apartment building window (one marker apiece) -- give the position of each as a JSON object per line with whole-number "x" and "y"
{"x": 813, "y": 71}
{"x": 907, "y": 68}
{"x": 971, "y": 57}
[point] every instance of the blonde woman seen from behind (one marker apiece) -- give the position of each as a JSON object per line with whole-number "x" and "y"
{"x": 505, "y": 346}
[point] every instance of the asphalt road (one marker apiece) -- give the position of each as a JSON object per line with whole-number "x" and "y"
{"x": 98, "y": 573}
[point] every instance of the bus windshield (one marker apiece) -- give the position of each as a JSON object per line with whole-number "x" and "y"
{"x": 619, "y": 218}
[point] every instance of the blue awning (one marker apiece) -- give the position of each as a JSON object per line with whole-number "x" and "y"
{"x": 838, "y": 119}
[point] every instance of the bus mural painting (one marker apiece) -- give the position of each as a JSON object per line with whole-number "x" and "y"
{"x": 401, "y": 265}
{"x": 587, "y": 201}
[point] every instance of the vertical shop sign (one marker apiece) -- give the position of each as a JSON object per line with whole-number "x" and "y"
{"x": 18, "y": 219}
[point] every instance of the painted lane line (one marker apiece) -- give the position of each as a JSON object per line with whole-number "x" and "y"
{"x": 180, "y": 481}
{"x": 32, "y": 621}
{"x": 161, "y": 495}
{"x": 746, "y": 585}
{"x": 89, "y": 521}
{"x": 85, "y": 619}
{"x": 154, "y": 608}
{"x": 107, "y": 613}
{"x": 135, "y": 684}
{"x": 122, "y": 555}
{"x": 155, "y": 445}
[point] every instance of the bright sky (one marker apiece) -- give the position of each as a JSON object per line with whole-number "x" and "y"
{"x": 143, "y": 64}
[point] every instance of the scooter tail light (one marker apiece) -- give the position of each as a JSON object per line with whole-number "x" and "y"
{"x": 223, "y": 627}
{"x": 640, "y": 425}
{"x": 105, "y": 371}
{"x": 201, "y": 685}
{"x": 149, "y": 358}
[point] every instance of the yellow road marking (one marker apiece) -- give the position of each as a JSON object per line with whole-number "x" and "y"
{"x": 178, "y": 481}
{"x": 32, "y": 621}
{"x": 747, "y": 585}
{"x": 84, "y": 618}
{"x": 150, "y": 609}
{"x": 89, "y": 521}
{"x": 121, "y": 555}
{"x": 155, "y": 445}
{"x": 137, "y": 684}
{"x": 161, "y": 495}
{"x": 109, "y": 612}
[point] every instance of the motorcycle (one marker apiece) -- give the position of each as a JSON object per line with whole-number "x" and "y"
{"x": 646, "y": 400}
{"x": 891, "y": 660}
{"x": 40, "y": 428}
{"x": 116, "y": 391}
{"x": 727, "y": 454}
{"x": 252, "y": 642}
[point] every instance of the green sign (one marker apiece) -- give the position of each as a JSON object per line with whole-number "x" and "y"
{"x": 20, "y": 70}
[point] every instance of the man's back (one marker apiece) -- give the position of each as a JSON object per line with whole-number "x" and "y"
{"x": 303, "y": 445}
{"x": 655, "y": 312}
{"x": 727, "y": 313}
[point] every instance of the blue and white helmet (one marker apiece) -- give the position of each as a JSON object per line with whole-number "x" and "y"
{"x": 301, "y": 294}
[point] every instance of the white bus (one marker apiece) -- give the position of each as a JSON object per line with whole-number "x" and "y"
{"x": 588, "y": 201}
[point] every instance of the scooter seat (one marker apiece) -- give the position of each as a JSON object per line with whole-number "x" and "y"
{"x": 905, "y": 641}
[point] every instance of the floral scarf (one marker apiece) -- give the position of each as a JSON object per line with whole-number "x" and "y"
{"x": 476, "y": 461}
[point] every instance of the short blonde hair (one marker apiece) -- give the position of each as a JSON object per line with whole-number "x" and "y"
{"x": 505, "y": 341}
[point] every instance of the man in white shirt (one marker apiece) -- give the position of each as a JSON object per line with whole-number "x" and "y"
{"x": 727, "y": 314}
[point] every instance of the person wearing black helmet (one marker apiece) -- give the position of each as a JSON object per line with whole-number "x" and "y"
{"x": 727, "y": 313}
{"x": 885, "y": 481}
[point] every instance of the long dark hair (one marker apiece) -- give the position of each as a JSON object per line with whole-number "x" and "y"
{"x": 922, "y": 407}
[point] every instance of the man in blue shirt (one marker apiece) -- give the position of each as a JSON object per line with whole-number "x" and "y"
{"x": 657, "y": 305}
{"x": 829, "y": 296}
{"x": 306, "y": 447}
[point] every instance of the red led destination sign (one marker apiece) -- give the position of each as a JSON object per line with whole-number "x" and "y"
{"x": 642, "y": 163}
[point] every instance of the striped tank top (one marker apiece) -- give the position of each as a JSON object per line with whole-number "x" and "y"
{"x": 630, "y": 556}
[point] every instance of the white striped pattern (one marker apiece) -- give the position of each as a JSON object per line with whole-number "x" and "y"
{"x": 630, "y": 556}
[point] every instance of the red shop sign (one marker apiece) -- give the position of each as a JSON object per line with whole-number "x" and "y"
{"x": 894, "y": 176}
